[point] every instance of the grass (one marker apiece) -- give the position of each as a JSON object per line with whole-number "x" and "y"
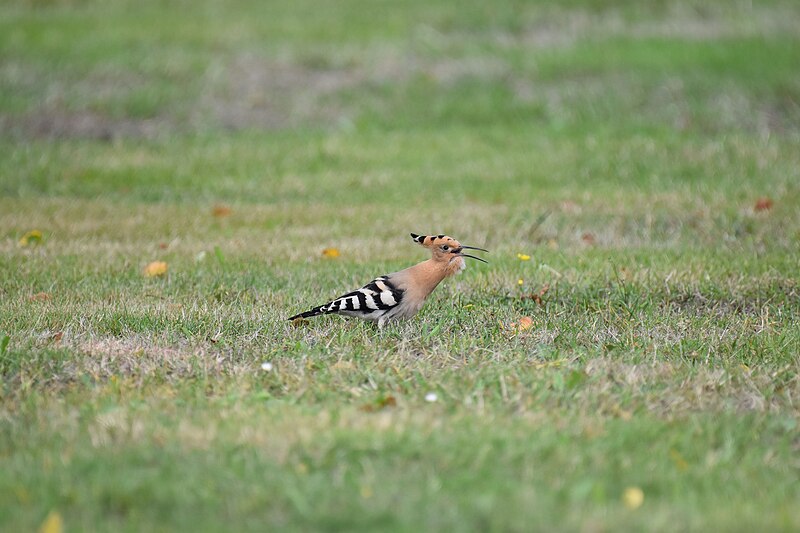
{"x": 624, "y": 147}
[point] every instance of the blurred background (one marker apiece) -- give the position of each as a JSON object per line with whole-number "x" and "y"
{"x": 490, "y": 101}
{"x": 77, "y": 69}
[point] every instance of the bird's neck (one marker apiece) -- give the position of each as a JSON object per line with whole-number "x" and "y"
{"x": 428, "y": 274}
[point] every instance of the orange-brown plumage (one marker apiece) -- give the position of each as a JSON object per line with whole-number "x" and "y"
{"x": 401, "y": 294}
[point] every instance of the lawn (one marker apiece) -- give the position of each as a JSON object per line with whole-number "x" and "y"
{"x": 627, "y": 361}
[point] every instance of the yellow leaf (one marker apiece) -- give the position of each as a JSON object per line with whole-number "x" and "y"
{"x": 523, "y": 257}
{"x": 32, "y": 237}
{"x": 23, "y": 496}
{"x": 677, "y": 458}
{"x": 330, "y": 253}
{"x": 52, "y": 524}
{"x": 343, "y": 365}
{"x": 550, "y": 364}
{"x": 633, "y": 497}
{"x": 156, "y": 268}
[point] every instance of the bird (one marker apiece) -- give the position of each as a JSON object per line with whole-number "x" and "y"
{"x": 401, "y": 294}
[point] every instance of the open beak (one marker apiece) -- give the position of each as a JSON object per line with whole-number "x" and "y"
{"x": 472, "y": 256}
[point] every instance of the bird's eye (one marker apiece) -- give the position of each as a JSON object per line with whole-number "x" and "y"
{"x": 445, "y": 247}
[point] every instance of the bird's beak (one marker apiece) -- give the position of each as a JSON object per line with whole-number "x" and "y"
{"x": 472, "y": 256}
{"x": 475, "y": 248}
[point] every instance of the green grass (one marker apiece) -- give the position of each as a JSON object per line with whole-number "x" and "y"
{"x": 624, "y": 146}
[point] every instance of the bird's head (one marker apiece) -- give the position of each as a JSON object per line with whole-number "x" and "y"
{"x": 445, "y": 249}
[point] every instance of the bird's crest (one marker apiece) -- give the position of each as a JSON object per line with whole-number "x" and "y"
{"x": 431, "y": 240}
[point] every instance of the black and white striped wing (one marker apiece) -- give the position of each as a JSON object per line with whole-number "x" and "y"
{"x": 371, "y": 302}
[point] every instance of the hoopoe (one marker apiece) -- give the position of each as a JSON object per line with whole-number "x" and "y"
{"x": 402, "y": 294}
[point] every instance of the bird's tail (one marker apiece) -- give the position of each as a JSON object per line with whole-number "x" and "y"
{"x": 318, "y": 310}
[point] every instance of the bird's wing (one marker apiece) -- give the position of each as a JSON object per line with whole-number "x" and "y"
{"x": 373, "y": 300}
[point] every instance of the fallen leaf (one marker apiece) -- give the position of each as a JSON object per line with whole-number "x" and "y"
{"x": 569, "y": 206}
{"x": 550, "y": 364}
{"x": 523, "y": 257}
{"x": 522, "y": 324}
{"x": 388, "y": 401}
{"x": 588, "y": 238}
{"x": 593, "y": 431}
{"x": 343, "y": 365}
{"x": 23, "y": 496}
{"x": 633, "y": 497}
{"x": 163, "y": 245}
{"x": 40, "y": 297}
{"x": 57, "y": 336}
{"x": 221, "y": 211}
{"x": 52, "y": 524}
{"x": 156, "y": 268}
{"x": 537, "y": 297}
{"x": 627, "y": 416}
{"x": 764, "y": 204}
{"x": 330, "y": 253}
{"x": 33, "y": 237}
{"x": 677, "y": 458}
{"x": 380, "y": 403}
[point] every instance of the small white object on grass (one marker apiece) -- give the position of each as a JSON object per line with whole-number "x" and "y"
{"x": 267, "y": 366}
{"x": 431, "y": 397}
